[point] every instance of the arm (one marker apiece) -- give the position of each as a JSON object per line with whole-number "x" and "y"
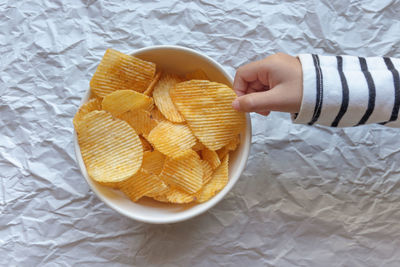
{"x": 342, "y": 91}
{"x": 335, "y": 91}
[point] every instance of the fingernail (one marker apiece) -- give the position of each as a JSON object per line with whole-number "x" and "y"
{"x": 235, "y": 104}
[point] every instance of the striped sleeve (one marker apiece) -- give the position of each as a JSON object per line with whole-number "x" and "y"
{"x": 343, "y": 91}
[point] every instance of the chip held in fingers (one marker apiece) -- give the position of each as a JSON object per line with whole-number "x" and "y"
{"x": 207, "y": 109}
{"x": 157, "y": 135}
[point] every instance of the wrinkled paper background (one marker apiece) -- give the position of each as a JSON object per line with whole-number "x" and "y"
{"x": 310, "y": 196}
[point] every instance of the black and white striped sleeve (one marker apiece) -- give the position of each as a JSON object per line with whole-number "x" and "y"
{"x": 342, "y": 91}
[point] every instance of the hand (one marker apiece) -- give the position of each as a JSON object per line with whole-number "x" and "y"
{"x": 272, "y": 84}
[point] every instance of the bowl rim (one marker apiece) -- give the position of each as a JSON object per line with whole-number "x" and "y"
{"x": 201, "y": 207}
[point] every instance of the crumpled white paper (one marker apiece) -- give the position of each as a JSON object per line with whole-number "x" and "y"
{"x": 310, "y": 196}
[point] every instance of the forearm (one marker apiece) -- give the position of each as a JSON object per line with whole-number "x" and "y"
{"x": 343, "y": 91}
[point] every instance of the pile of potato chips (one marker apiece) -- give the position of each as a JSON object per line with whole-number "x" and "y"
{"x": 150, "y": 133}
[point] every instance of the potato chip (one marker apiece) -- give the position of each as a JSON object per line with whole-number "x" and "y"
{"x": 211, "y": 157}
{"x": 153, "y": 161}
{"x": 94, "y": 96}
{"x": 161, "y": 189}
{"x": 177, "y": 196}
{"x": 162, "y": 98}
{"x": 157, "y": 115}
{"x": 196, "y": 75}
{"x": 140, "y": 120}
{"x": 207, "y": 109}
{"x": 207, "y": 171}
{"x": 146, "y": 145}
{"x": 114, "y": 185}
{"x": 150, "y": 88}
{"x": 218, "y": 181}
{"x": 172, "y": 140}
{"x": 232, "y": 145}
{"x": 173, "y": 195}
{"x": 110, "y": 148}
{"x": 91, "y": 105}
{"x": 222, "y": 152}
{"x": 121, "y": 101}
{"x": 141, "y": 184}
{"x": 185, "y": 173}
{"x": 161, "y": 198}
{"x": 198, "y": 146}
{"x": 118, "y": 71}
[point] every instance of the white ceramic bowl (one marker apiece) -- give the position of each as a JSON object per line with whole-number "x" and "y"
{"x": 180, "y": 60}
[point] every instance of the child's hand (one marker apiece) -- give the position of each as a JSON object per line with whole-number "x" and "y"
{"x": 272, "y": 84}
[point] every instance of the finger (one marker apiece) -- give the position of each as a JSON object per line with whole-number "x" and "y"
{"x": 251, "y": 90}
{"x": 264, "y": 113}
{"x": 245, "y": 75}
{"x": 274, "y": 99}
{"x": 256, "y": 86}
{"x": 239, "y": 85}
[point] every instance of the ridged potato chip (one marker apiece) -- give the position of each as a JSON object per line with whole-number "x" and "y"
{"x": 173, "y": 140}
{"x": 218, "y": 181}
{"x": 157, "y": 115}
{"x": 150, "y": 88}
{"x": 121, "y": 101}
{"x": 198, "y": 146}
{"x": 232, "y": 145}
{"x": 91, "y": 105}
{"x": 207, "y": 109}
{"x": 207, "y": 171}
{"x": 140, "y": 120}
{"x": 185, "y": 173}
{"x": 109, "y": 157}
{"x": 161, "y": 198}
{"x": 145, "y": 144}
{"x": 153, "y": 161}
{"x": 211, "y": 157}
{"x": 114, "y": 185}
{"x": 196, "y": 75}
{"x": 118, "y": 71}
{"x": 162, "y": 98}
{"x": 161, "y": 189}
{"x": 173, "y": 195}
{"x": 142, "y": 184}
{"x": 177, "y": 196}
{"x": 94, "y": 96}
{"x": 222, "y": 152}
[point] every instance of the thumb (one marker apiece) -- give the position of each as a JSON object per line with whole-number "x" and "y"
{"x": 254, "y": 102}
{"x": 263, "y": 101}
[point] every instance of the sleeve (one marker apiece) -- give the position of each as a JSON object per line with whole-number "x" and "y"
{"x": 343, "y": 91}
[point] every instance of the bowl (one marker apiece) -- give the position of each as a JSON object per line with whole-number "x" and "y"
{"x": 179, "y": 60}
